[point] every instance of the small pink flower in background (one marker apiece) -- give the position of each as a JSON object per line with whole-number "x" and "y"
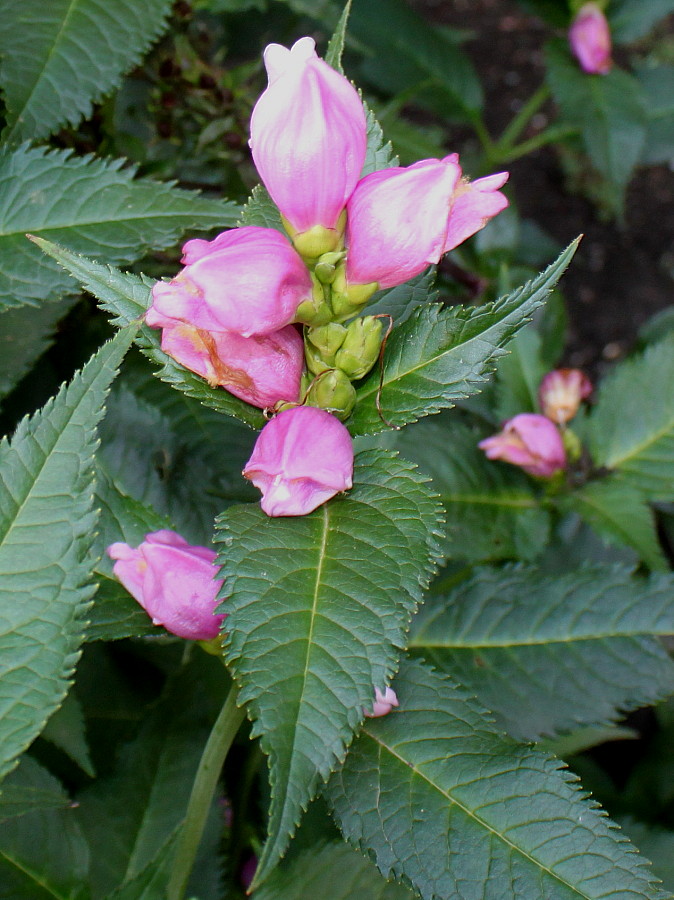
{"x": 590, "y": 40}
{"x": 308, "y": 136}
{"x": 561, "y": 393}
{"x": 173, "y": 581}
{"x": 248, "y": 280}
{"x": 383, "y": 703}
{"x": 529, "y": 441}
{"x": 401, "y": 220}
{"x": 302, "y": 457}
{"x": 262, "y": 370}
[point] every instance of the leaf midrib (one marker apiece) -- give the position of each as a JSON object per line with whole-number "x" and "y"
{"x": 637, "y": 449}
{"x": 409, "y": 766}
{"x": 33, "y": 877}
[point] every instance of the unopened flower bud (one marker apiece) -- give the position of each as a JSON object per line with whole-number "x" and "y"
{"x": 561, "y": 393}
{"x": 590, "y": 40}
{"x": 529, "y": 441}
{"x": 317, "y": 309}
{"x": 333, "y": 392}
{"x": 248, "y": 280}
{"x": 383, "y": 703}
{"x": 308, "y": 139}
{"x": 326, "y": 266}
{"x": 173, "y": 581}
{"x": 262, "y": 370}
{"x": 302, "y": 458}
{"x": 327, "y": 339}
{"x": 349, "y": 299}
{"x": 360, "y": 349}
{"x": 572, "y": 445}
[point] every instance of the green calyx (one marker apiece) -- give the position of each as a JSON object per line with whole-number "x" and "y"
{"x": 360, "y": 348}
{"x": 333, "y": 392}
{"x": 349, "y": 299}
{"x": 321, "y": 345}
{"x": 318, "y": 240}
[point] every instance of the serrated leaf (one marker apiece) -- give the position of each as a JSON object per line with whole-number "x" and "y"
{"x": 332, "y": 872}
{"x": 657, "y": 844}
{"x": 30, "y": 787}
{"x": 127, "y": 297}
{"x": 620, "y": 514}
{"x": 262, "y": 211}
{"x": 379, "y": 154}
{"x": 401, "y": 301}
{"x": 439, "y": 797}
{"x": 441, "y": 355}
{"x": 493, "y": 511}
{"x": 318, "y": 607}
{"x": 547, "y": 655}
{"x": 59, "y": 58}
{"x": 25, "y": 334}
{"x": 95, "y": 206}
{"x": 333, "y": 55}
{"x": 43, "y": 854}
{"x": 610, "y": 112}
{"x": 631, "y": 429}
{"x": 46, "y": 527}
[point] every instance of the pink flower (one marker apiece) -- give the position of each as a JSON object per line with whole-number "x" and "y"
{"x": 401, "y": 220}
{"x": 248, "y": 280}
{"x": 590, "y": 40}
{"x": 173, "y": 581}
{"x": 302, "y": 458}
{"x": 383, "y": 703}
{"x": 530, "y": 441}
{"x": 262, "y": 370}
{"x": 561, "y": 392}
{"x": 308, "y": 136}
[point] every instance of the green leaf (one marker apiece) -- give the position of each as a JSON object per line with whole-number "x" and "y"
{"x": 30, "y": 787}
{"x": 657, "y": 844}
{"x": 631, "y": 429}
{"x": 95, "y": 206}
{"x": 401, "y": 301}
{"x": 46, "y": 529}
{"x": 493, "y": 510}
{"x": 262, "y": 211}
{"x": 441, "y": 355}
{"x": 379, "y": 153}
{"x": 333, "y": 55}
{"x": 634, "y": 19}
{"x": 318, "y": 607}
{"x": 441, "y": 798}
{"x": 43, "y": 855}
{"x": 620, "y": 514}
{"x": 608, "y": 109}
{"x": 67, "y": 731}
{"x": 519, "y": 374}
{"x": 61, "y": 57}
{"x": 657, "y": 84}
{"x": 25, "y": 334}
{"x": 551, "y": 654}
{"x": 331, "y": 872}
{"x": 127, "y": 297}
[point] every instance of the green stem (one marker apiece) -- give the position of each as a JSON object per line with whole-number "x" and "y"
{"x": 522, "y": 119}
{"x": 212, "y": 759}
{"x": 549, "y": 136}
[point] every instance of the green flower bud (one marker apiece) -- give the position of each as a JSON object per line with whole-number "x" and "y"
{"x": 318, "y": 310}
{"x": 360, "y": 348}
{"x": 349, "y": 300}
{"x": 326, "y": 266}
{"x": 572, "y": 445}
{"x": 334, "y": 393}
{"x": 327, "y": 339}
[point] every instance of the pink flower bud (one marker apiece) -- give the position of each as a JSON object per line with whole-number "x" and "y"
{"x": 248, "y": 280}
{"x": 262, "y": 370}
{"x": 530, "y": 441}
{"x": 590, "y": 40}
{"x": 302, "y": 458}
{"x": 401, "y": 220}
{"x": 561, "y": 392}
{"x": 383, "y": 703}
{"x": 173, "y": 581}
{"x": 308, "y": 136}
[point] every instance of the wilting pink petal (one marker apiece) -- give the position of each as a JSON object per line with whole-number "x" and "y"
{"x": 303, "y": 457}
{"x": 401, "y": 220}
{"x": 383, "y": 703}
{"x": 248, "y": 280}
{"x": 590, "y": 40}
{"x": 561, "y": 393}
{"x": 529, "y": 441}
{"x": 308, "y": 136}
{"x": 262, "y": 370}
{"x": 173, "y": 581}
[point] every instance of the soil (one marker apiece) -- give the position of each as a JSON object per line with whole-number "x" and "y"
{"x": 621, "y": 274}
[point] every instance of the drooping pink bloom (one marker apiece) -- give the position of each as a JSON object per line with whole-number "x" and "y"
{"x": 590, "y": 40}
{"x": 561, "y": 393}
{"x": 401, "y": 220}
{"x": 529, "y": 441}
{"x": 308, "y": 136}
{"x": 262, "y": 370}
{"x": 173, "y": 581}
{"x": 248, "y": 280}
{"x": 303, "y": 457}
{"x": 383, "y": 703}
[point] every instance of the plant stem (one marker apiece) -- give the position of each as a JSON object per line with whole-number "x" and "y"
{"x": 212, "y": 759}
{"x": 549, "y": 136}
{"x": 521, "y": 120}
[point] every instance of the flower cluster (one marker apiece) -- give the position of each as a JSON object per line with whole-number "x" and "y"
{"x": 234, "y": 312}
{"x": 533, "y": 441}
